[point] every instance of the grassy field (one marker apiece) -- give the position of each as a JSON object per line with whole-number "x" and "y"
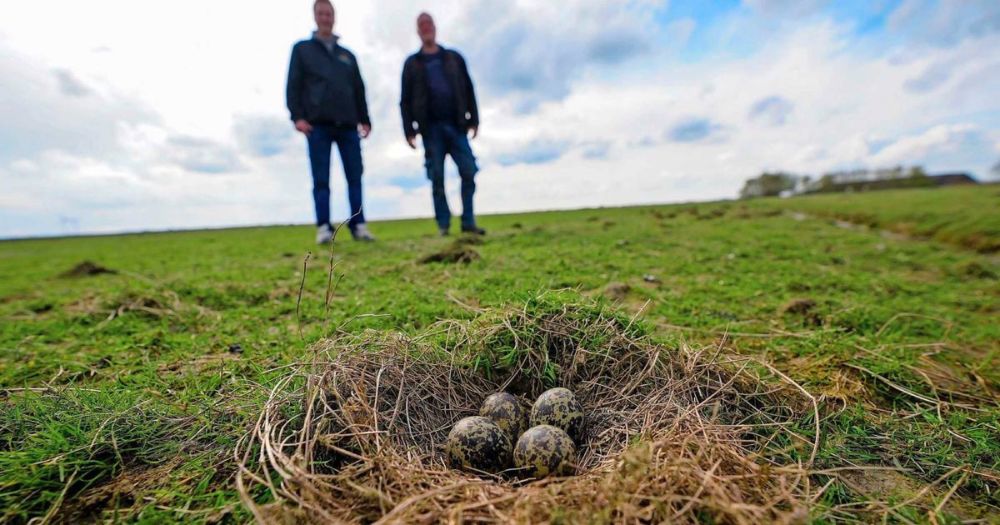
{"x": 952, "y": 216}
{"x": 122, "y": 395}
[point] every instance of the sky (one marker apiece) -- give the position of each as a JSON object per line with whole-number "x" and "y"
{"x": 125, "y": 115}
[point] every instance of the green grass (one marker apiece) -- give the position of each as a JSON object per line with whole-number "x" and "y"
{"x": 965, "y": 216}
{"x": 106, "y": 378}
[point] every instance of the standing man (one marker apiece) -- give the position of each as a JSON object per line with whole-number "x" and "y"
{"x": 439, "y": 104}
{"x": 326, "y": 98}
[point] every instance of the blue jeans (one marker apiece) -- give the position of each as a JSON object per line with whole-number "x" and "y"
{"x": 441, "y": 139}
{"x": 349, "y": 144}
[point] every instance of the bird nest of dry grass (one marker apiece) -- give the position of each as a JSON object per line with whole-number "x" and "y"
{"x": 672, "y": 434}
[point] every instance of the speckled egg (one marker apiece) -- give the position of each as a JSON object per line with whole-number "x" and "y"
{"x": 558, "y": 407}
{"x": 543, "y": 450}
{"x": 507, "y": 412}
{"x": 477, "y": 443}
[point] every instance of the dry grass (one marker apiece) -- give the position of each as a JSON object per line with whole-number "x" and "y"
{"x": 672, "y": 434}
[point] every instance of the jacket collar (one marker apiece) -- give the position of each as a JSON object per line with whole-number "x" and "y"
{"x": 336, "y": 38}
{"x": 441, "y": 49}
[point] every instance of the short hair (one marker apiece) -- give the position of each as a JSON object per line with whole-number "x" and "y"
{"x": 318, "y": 3}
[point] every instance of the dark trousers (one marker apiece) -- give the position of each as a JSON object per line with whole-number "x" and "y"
{"x": 441, "y": 139}
{"x": 348, "y": 142}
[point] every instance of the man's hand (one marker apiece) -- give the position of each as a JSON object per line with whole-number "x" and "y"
{"x": 412, "y": 141}
{"x": 364, "y": 130}
{"x": 475, "y": 131}
{"x": 303, "y": 127}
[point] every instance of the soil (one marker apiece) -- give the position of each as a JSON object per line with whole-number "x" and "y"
{"x": 458, "y": 252}
{"x": 87, "y": 269}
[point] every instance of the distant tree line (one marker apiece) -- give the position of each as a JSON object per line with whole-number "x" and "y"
{"x": 772, "y": 184}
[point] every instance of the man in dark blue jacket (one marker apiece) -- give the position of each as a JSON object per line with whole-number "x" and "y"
{"x": 439, "y": 103}
{"x": 326, "y": 98}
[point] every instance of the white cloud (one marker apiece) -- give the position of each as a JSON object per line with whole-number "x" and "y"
{"x": 945, "y": 23}
{"x": 71, "y": 86}
{"x": 44, "y": 108}
{"x": 24, "y": 166}
{"x": 203, "y": 155}
{"x": 773, "y": 110}
{"x": 534, "y": 51}
{"x": 787, "y": 7}
{"x": 916, "y": 148}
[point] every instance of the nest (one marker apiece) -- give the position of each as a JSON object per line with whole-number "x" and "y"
{"x": 672, "y": 434}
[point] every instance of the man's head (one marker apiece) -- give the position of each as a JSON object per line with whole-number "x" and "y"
{"x": 426, "y": 29}
{"x": 324, "y": 14}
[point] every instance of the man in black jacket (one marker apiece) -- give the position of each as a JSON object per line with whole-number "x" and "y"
{"x": 439, "y": 103}
{"x": 326, "y": 98}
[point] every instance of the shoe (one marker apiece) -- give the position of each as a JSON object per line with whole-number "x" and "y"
{"x": 474, "y": 230}
{"x": 361, "y": 233}
{"x": 324, "y": 234}
{"x": 443, "y": 232}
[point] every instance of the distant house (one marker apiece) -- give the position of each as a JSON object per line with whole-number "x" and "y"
{"x": 869, "y": 180}
{"x": 787, "y": 184}
{"x": 953, "y": 179}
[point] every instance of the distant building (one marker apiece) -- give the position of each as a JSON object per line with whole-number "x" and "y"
{"x": 868, "y": 180}
{"x": 860, "y": 180}
{"x": 952, "y": 179}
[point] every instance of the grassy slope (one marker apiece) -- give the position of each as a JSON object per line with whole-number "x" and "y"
{"x": 965, "y": 216}
{"x": 147, "y": 350}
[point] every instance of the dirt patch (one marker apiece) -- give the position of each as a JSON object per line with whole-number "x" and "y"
{"x": 804, "y": 308}
{"x": 671, "y": 434}
{"x": 12, "y": 298}
{"x": 878, "y": 485}
{"x": 744, "y": 212}
{"x": 87, "y": 305}
{"x": 976, "y": 270}
{"x": 41, "y": 308}
{"x": 714, "y": 213}
{"x": 121, "y": 493}
{"x": 455, "y": 253}
{"x": 86, "y": 269}
{"x": 201, "y": 363}
{"x": 617, "y": 291}
{"x": 470, "y": 240}
{"x": 798, "y": 307}
{"x": 982, "y": 243}
{"x": 662, "y": 216}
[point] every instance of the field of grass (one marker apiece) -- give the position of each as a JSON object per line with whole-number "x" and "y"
{"x": 965, "y": 216}
{"x": 123, "y": 395}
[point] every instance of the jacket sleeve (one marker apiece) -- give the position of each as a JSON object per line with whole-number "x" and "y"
{"x": 470, "y": 94}
{"x": 362, "y": 98}
{"x": 406, "y": 99}
{"x": 293, "y": 91}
